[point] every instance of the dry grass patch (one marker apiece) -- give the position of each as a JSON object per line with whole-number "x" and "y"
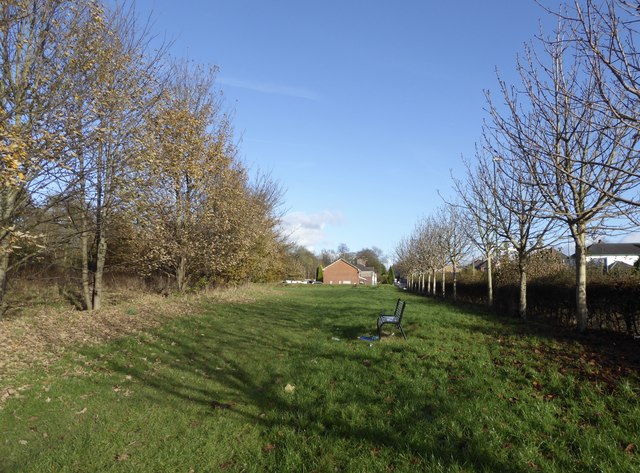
{"x": 38, "y": 336}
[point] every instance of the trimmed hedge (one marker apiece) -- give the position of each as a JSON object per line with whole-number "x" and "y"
{"x": 613, "y": 305}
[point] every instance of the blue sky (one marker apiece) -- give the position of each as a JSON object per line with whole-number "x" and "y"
{"x": 359, "y": 109}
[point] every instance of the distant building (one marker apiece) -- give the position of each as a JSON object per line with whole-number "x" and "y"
{"x": 343, "y": 272}
{"x": 607, "y": 254}
{"x": 368, "y": 275}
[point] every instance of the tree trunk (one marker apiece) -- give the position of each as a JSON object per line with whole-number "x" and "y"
{"x": 8, "y": 205}
{"x": 4, "y": 274}
{"x": 455, "y": 282}
{"x": 181, "y": 273}
{"x": 86, "y": 275}
{"x": 489, "y": 281}
{"x": 443, "y": 282}
{"x": 522, "y": 305}
{"x": 582, "y": 313}
{"x": 434, "y": 290}
{"x": 87, "y": 292}
{"x": 101, "y": 256}
{"x": 429, "y": 282}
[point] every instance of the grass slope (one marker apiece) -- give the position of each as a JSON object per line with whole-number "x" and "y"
{"x": 283, "y": 384}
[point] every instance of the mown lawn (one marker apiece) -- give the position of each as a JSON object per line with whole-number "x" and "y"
{"x": 284, "y": 384}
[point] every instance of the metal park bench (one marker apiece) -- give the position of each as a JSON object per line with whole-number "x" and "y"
{"x": 395, "y": 319}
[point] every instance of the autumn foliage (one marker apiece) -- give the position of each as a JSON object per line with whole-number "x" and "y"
{"x": 117, "y": 158}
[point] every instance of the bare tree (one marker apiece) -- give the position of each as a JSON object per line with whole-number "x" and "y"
{"x": 604, "y": 34}
{"x": 423, "y": 246}
{"x": 518, "y": 206}
{"x": 419, "y": 255}
{"x": 572, "y": 152}
{"x": 453, "y": 239}
{"x": 403, "y": 255}
{"x": 478, "y": 208}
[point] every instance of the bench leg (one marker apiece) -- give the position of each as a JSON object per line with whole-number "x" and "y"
{"x": 402, "y": 330}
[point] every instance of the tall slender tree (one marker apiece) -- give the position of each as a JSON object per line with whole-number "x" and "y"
{"x": 114, "y": 84}
{"x": 478, "y": 207}
{"x": 572, "y": 153}
{"x": 36, "y": 39}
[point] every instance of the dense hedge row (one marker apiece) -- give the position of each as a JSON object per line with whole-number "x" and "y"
{"x": 613, "y": 305}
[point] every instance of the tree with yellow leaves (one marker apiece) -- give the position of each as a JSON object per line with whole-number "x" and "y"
{"x": 35, "y": 38}
{"x": 200, "y": 216}
{"x": 114, "y": 86}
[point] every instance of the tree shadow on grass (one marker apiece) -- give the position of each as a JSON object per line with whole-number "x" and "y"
{"x": 218, "y": 365}
{"x": 616, "y": 355}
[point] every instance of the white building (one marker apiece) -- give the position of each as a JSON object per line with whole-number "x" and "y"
{"x": 606, "y": 254}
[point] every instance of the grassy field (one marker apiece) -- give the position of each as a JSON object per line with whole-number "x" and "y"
{"x": 283, "y": 383}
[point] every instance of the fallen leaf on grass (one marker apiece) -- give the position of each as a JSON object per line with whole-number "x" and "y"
{"x": 82, "y": 411}
{"x": 366, "y": 363}
{"x": 629, "y": 449}
{"x": 289, "y": 388}
{"x": 222, "y": 405}
{"x": 269, "y": 447}
{"x": 122, "y": 457}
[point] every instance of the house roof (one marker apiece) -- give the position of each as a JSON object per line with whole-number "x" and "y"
{"x": 614, "y": 249}
{"x": 344, "y": 261}
{"x": 620, "y": 265}
{"x": 365, "y": 268}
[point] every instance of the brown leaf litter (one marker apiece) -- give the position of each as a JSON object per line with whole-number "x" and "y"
{"x": 41, "y": 336}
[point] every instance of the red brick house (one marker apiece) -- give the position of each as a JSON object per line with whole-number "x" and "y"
{"x": 341, "y": 272}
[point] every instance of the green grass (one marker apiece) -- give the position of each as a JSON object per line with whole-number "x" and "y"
{"x": 466, "y": 392}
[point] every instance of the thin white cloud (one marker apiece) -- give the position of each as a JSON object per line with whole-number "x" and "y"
{"x": 308, "y": 230}
{"x": 288, "y": 91}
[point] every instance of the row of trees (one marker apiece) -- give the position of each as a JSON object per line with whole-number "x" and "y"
{"x": 558, "y": 153}
{"x": 114, "y": 155}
